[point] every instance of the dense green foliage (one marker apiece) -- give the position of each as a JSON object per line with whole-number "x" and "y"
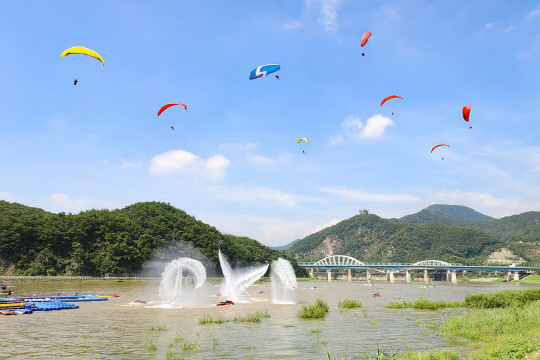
{"x": 508, "y": 298}
{"x": 349, "y": 304}
{"x": 455, "y": 215}
{"x": 97, "y": 242}
{"x": 424, "y": 304}
{"x": 370, "y": 238}
{"x": 315, "y": 311}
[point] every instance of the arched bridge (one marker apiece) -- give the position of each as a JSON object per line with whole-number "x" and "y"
{"x": 347, "y": 262}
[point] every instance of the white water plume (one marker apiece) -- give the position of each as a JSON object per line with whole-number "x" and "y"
{"x": 238, "y": 280}
{"x": 173, "y": 277}
{"x": 283, "y": 282}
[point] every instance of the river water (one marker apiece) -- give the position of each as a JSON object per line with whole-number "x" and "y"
{"x": 116, "y": 330}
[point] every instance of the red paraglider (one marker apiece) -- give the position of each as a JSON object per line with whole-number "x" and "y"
{"x": 436, "y": 146}
{"x": 365, "y": 38}
{"x": 466, "y": 112}
{"x": 165, "y": 107}
{"x": 390, "y": 97}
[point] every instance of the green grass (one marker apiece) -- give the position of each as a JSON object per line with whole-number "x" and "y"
{"x": 206, "y": 319}
{"x": 424, "y": 304}
{"x": 508, "y": 298}
{"x": 533, "y": 279}
{"x": 431, "y": 355}
{"x": 349, "y": 304}
{"x": 252, "y": 317}
{"x": 158, "y": 328}
{"x": 315, "y": 311}
{"x": 151, "y": 344}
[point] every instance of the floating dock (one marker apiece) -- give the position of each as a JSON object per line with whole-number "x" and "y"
{"x": 28, "y": 304}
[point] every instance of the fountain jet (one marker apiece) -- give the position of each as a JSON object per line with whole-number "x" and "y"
{"x": 238, "y": 280}
{"x": 170, "y": 288}
{"x": 283, "y": 282}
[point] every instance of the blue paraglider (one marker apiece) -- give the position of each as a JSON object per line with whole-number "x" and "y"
{"x": 263, "y": 70}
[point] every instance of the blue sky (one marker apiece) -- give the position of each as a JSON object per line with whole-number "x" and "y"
{"x": 233, "y": 160}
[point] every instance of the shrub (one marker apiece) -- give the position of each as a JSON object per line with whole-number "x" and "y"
{"x": 349, "y": 304}
{"x": 315, "y": 311}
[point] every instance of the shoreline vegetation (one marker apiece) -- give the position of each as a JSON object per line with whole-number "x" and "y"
{"x": 504, "y": 325}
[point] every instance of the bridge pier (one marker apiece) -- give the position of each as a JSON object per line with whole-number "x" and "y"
{"x": 329, "y": 275}
{"x": 514, "y": 276}
{"x": 407, "y": 276}
{"x": 349, "y": 275}
{"x": 390, "y": 276}
{"x": 453, "y": 275}
{"x": 426, "y": 278}
{"x": 311, "y": 273}
{"x": 368, "y": 275}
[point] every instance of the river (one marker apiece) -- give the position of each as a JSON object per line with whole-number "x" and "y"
{"x": 116, "y": 330}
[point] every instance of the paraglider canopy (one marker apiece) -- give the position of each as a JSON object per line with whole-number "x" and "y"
{"x": 263, "y": 70}
{"x": 390, "y": 97}
{"x": 365, "y": 38}
{"x": 305, "y": 139}
{"x": 436, "y": 146}
{"x": 83, "y": 51}
{"x": 466, "y": 113}
{"x": 165, "y": 107}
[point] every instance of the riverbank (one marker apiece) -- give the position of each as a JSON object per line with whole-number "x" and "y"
{"x": 503, "y": 325}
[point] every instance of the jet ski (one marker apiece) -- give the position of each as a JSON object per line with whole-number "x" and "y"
{"x": 225, "y": 303}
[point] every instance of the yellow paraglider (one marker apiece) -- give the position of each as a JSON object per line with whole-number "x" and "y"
{"x": 83, "y": 51}
{"x": 305, "y": 139}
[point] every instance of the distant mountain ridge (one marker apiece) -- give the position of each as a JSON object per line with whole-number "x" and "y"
{"x": 455, "y": 215}
{"x": 370, "y": 238}
{"x": 450, "y": 233}
{"x": 523, "y": 227}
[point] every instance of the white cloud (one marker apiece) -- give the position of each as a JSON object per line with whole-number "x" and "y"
{"x": 238, "y": 146}
{"x": 268, "y": 230}
{"x": 7, "y": 196}
{"x": 180, "y": 161}
{"x": 292, "y": 25}
{"x": 328, "y": 13}
{"x": 375, "y": 126}
{"x": 354, "y": 195}
{"x": 335, "y": 140}
{"x": 126, "y": 164}
{"x": 354, "y": 127}
{"x": 259, "y": 159}
{"x": 255, "y": 196}
{"x": 533, "y": 13}
{"x": 317, "y": 228}
{"x": 62, "y": 202}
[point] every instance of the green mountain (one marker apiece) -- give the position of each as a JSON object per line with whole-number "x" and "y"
{"x": 370, "y": 239}
{"x": 455, "y": 215}
{"x": 523, "y": 227}
{"x": 97, "y": 242}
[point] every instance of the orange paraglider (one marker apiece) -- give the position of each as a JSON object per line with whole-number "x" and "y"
{"x": 165, "y": 107}
{"x": 365, "y": 38}
{"x": 390, "y": 97}
{"x": 436, "y": 146}
{"x": 466, "y": 113}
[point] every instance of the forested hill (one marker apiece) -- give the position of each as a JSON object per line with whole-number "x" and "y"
{"x": 97, "y": 242}
{"x": 455, "y": 215}
{"x": 523, "y": 227}
{"x": 371, "y": 239}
